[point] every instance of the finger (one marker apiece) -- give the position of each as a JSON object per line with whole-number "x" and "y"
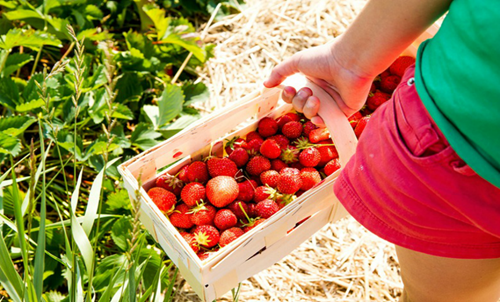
{"x": 300, "y": 99}
{"x": 311, "y": 107}
{"x": 288, "y": 94}
{"x": 318, "y": 121}
{"x": 282, "y": 71}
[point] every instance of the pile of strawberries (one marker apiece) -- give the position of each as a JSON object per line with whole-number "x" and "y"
{"x": 216, "y": 200}
{"x": 380, "y": 92}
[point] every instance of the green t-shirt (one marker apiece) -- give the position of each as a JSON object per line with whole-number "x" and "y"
{"x": 457, "y": 77}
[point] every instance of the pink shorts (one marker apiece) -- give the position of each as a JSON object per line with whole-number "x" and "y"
{"x": 408, "y": 186}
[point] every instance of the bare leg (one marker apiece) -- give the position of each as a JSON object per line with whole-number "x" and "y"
{"x": 438, "y": 279}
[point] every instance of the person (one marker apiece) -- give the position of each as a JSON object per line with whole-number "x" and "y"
{"x": 426, "y": 172}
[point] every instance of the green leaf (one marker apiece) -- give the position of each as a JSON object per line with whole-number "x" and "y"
{"x": 106, "y": 270}
{"x": 21, "y": 14}
{"x": 15, "y": 125}
{"x": 9, "y": 93}
{"x": 16, "y": 61}
{"x": 122, "y": 112}
{"x": 30, "y": 106}
{"x": 97, "y": 79}
{"x": 92, "y": 34}
{"x": 140, "y": 42}
{"x": 27, "y": 38}
{"x": 9, "y": 144}
{"x": 121, "y": 232}
{"x": 128, "y": 87}
{"x": 9, "y": 278}
{"x": 170, "y": 104}
{"x": 195, "y": 93}
{"x": 144, "y": 137}
{"x": 93, "y": 12}
{"x": 118, "y": 200}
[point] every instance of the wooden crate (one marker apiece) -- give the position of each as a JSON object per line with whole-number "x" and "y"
{"x": 270, "y": 241}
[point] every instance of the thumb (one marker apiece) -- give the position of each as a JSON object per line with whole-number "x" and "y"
{"x": 282, "y": 71}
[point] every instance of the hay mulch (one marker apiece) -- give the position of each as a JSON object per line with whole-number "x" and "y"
{"x": 343, "y": 261}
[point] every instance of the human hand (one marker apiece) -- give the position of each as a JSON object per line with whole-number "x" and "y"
{"x": 323, "y": 65}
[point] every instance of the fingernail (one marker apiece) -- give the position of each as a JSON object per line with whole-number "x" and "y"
{"x": 302, "y": 94}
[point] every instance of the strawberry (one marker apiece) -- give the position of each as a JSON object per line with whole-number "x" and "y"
{"x": 257, "y": 165}
{"x": 281, "y": 140}
{"x": 191, "y": 241}
{"x": 378, "y": 98}
{"x": 252, "y": 224}
{"x": 310, "y": 157}
{"x": 327, "y": 152}
{"x": 253, "y": 135}
{"x": 232, "y": 144}
{"x": 267, "y": 127}
{"x": 206, "y": 235}
{"x": 251, "y": 210}
{"x": 289, "y": 181}
{"x": 246, "y": 190}
{"x": 163, "y": 199}
{"x": 318, "y": 135}
{"x": 266, "y": 208}
{"x": 277, "y": 165}
{"x": 361, "y": 126}
{"x": 239, "y": 156}
{"x": 308, "y": 127}
{"x": 203, "y": 214}
{"x": 198, "y": 172}
{"x": 292, "y": 129}
{"x": 170, "y": 183}
{"x": 229, "y": 236}
{"x": 225, "y": 219}
{"x": 310, "y": 177}
{"x": 270, "y": 149}
{"x": 354, "y": 119}
{"x": 399, "y": 66}
{"x": 290, "y": 154}
{"x": 264, "y": 192}
{"x": 390, "y": 83}
{"x": 383, "y": 76}
{"x": 193, "y": 193}
{"x": 181, "y": 217}
{"x": 221, "y": 166}
{"x": 253, "y": 146}
{"x": 373, "y": 88}
{"x": 182, "y": 174}
{"x": 222, "y": 190}
{"x": 203, "y": 255}
{"x": 332, "y": 166}
{"x": 236, "y": 208}
{"x": 288, "y": 117}
{"x": 269, "y": 178}
{"x": 296, "y": 165}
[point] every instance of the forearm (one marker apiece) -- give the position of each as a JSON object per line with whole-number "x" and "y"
{"x": 383, "y": 30}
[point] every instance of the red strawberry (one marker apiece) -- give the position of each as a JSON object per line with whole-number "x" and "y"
{"x": 354, "y": 119}
{"x": 246, "y": 190}
{"x": 203, "y": 255}
{"x": 182, "y": 174}
{"x": 282, "y": 120}
{"x": 308, "y": 127}
{"x": 361, "y": 126}
{"x": 267, "y": 127}
{"x": 377, "y": 99}
{"x": 269, "y": 178}
{"x": 399, "y": 66}
{"x": 170, "y": 183}
{"x": 270, "y": 149}
{"x": 236, "y": 206}
{"x": 193, "y": 193}
{"x": 264, "y": 192}
{"x": 253, "y": 135}
{"x": 203, "y": 214}
{"x": 296, "y": 165}
{"x": 373, "y": 88}
{"x": 222, "y": 190}
{"x": 181, "y": 217}
{"x": 198, "y": 172}
{"x": 229, "y": 236}
{"x": 191, "y": 241}
{"x": 239, "y": 156}
{"x": 383, "y": 75}
{"x": 252, "y": 224}
{"x": 310, "y": 157}
{"x": 253, "y": 146}
{"x": 327, "y": 152}
{"x": 206, "y": 235}
{"x": 251, "y": 210}
{"x": 290, "y": 154}
{"x": 310, "y": 177}
{"x": 266, "y": 208}
{"x": 221, "y": 167}
{"x": 390, "y": 83}
{"x": 292, "y": 129}
{"x": 232, "y": 144}
{"x": 164, "y": 199}
{"x": 289, "y": 181}
{"x": 318, "y": 135}
{"x": 332, "y": 166}
{"x": 278, "y": 164}
{"x": 225, "y": 219}
{"x": 257, "y": 165}
{"x": 281, "y": 140}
